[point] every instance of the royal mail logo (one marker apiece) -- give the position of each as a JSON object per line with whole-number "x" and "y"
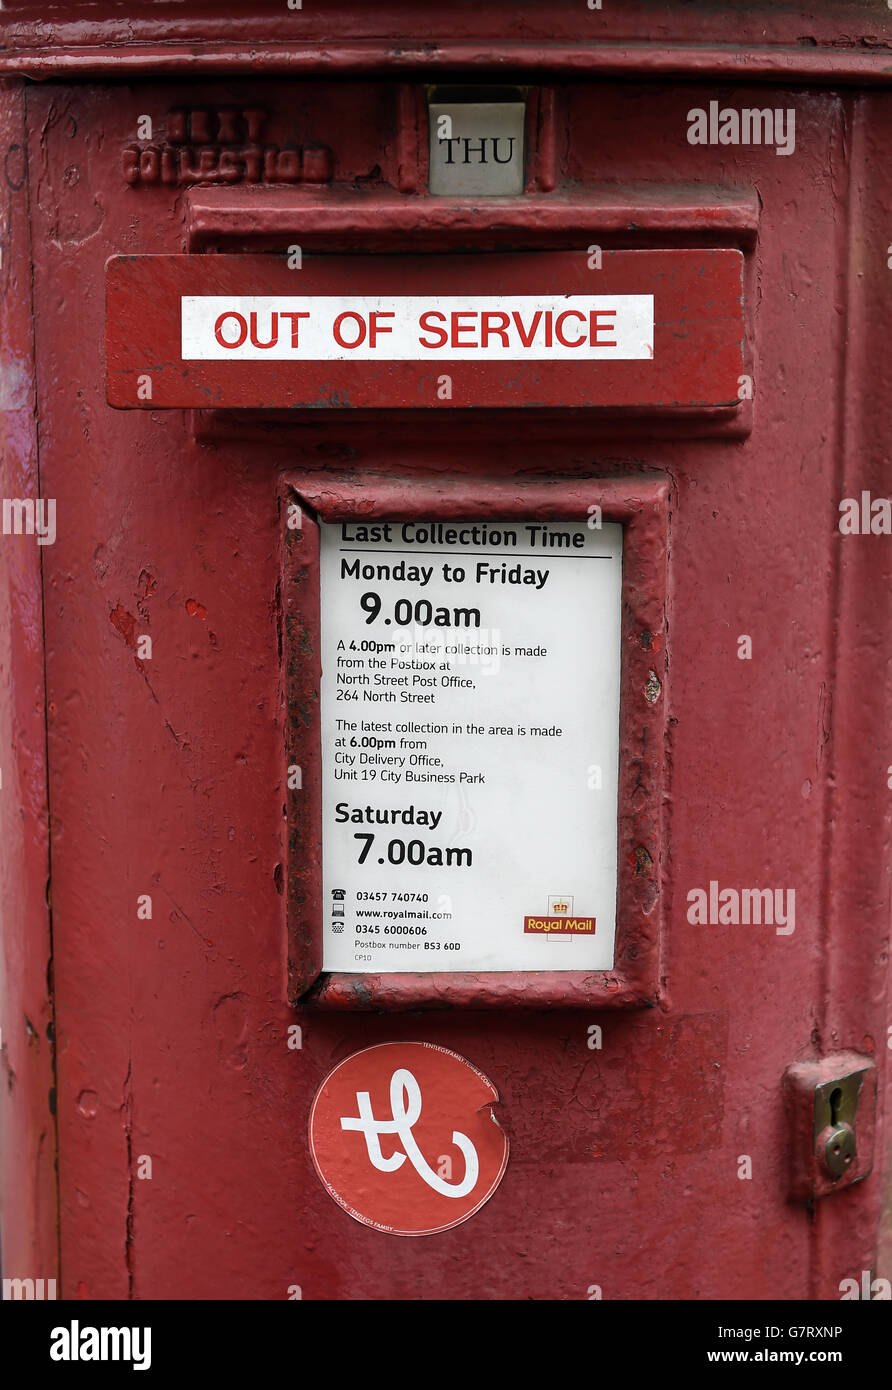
{"x": 560, "y": 918}
{"x": 571, "y": 926}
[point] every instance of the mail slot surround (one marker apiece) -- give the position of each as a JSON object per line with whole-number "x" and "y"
{"x": 581, "y": 328}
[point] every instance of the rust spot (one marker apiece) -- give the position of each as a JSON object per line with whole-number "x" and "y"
{"x": 641, "y": 862}
{"x": 124, "y": 623}
{"x": 361, "y": 993}
{"x": 196, "y": 609}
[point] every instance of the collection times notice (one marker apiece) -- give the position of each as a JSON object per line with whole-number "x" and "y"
{"x": 470, "y": 727}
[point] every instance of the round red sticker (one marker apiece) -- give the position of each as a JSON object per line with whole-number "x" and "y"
{"x": 404, "y": 1139}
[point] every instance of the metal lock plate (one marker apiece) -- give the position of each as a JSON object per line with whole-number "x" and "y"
{"x": 832, "y": 1105}
{"x": 836, "y": 1103}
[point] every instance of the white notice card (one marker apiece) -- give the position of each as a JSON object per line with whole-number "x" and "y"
{"x": 470, "y": 726}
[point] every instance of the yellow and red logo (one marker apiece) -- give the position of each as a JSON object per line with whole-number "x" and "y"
{"x": 559, "y": 919}
{"x": 576, "y": 926}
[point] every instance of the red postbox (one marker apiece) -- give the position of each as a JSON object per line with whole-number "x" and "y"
{"x": 445, "y": 690}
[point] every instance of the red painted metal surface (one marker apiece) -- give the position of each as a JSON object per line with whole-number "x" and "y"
{"x": 167, "y": 775}
{"x": 694, "y": 347}
{"x": 839, "y": 40}
{"x": 679, "y": 214}
{"x": 27, "y": 1081}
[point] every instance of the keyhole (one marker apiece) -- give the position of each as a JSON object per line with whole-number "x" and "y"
{"x": 835, "y": 1102}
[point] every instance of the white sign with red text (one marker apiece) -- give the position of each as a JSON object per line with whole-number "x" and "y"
{"x": 534, "y": 327}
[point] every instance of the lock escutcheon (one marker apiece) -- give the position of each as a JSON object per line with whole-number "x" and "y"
{"x": 832, "y": 1112}
{"x": 835, "y": 1105}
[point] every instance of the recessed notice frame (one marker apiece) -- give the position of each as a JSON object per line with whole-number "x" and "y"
{"x": 640, "y": 506}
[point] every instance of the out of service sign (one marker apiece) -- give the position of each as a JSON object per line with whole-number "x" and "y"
{"x": 406, "y": 328}
{"x": 526, "y": 329}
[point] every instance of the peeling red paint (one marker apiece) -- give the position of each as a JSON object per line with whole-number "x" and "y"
{"x": 124, "y": 623}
